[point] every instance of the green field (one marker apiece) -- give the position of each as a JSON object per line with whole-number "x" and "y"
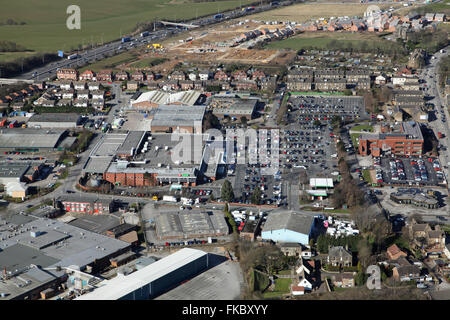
{"x": 45, "y": 29}
{"x": 147, "y": 62}
{"x": 354, "y": 137}
{"x": 325, "y": 40}
{"x": 111, "y": 62}
{"x": 10, "y": 56}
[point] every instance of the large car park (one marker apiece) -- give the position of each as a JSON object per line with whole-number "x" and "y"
{"x": 325, "y": 107}
{"x": 408, "y": 171}
{"x": 255, "y": 174}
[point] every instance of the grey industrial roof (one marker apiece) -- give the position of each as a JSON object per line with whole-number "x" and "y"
{"x": 19, "y": 256}
{"x": 29, "y": 138}
{"x": 75, "y": 246}
{"x": 234, "y": 106}
{"x": 120, "y": 286}
{"x": 13, "y": 170}
{"x": 55, "y": 117}
{"x": 131, "y": 142}
{"x": 177, "y": 115}
{"x": 188, "y": 224}
{"x": 295, "y": 221}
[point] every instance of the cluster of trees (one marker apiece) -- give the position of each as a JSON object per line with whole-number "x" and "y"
{"x": 229, "y": 217}
{"x": 9, "y": 46}
{"x": 12, "y": 68}
{"x": 325, "y": 240}
{"x": 428, "y": 40}
{"x": 82, "y": 141}
{"x": 347, "y": 191}
{"x": 227, "y": 193}
{"x": 12, "y": 22}
{"x": 376, "y": 97}
{"x": 444, "y": 70}
{"x": 210, "y": 122}
{"x": 266, "y": 258}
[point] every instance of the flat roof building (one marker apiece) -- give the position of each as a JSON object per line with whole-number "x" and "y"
{"x": 54, "y": 120}
{"x": 189, "y": 225}
{"x": 408, "y": 141}
{"x": 34, "y": 140}
{"x": 152, "y": 99}
{"x": 177, "y": 118}
{"x": 154, "y": 279}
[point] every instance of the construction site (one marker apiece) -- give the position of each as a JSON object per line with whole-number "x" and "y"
{"x": 237, "y": 39}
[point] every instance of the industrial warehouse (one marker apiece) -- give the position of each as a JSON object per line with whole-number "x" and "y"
{"x": 153, "y": 279}
{"x": 189, "y": 225}
{"x": 37, "y": 252}
{"x": 34, "y": 140}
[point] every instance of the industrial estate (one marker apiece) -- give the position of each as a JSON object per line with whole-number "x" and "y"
{"x": 267, "y": 150}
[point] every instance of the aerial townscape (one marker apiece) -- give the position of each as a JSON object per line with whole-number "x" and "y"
{"x": 225, "y": 150}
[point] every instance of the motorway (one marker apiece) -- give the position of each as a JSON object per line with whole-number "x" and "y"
{"x": 116, "y": 47}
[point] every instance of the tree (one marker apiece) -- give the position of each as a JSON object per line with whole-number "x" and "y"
{"x": 244, "y": 121}
{"x": 317, "y": 123}
{"x": 227, "y": 193}
{"x": 256, "y": 196}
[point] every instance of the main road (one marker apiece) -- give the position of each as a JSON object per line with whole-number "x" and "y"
{"x": 430, "y": 75}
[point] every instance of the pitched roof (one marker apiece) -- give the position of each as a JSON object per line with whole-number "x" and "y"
{"x": 295, "y": 221}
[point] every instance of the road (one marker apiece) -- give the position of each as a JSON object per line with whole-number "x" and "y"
{"x": 430, "y": 74}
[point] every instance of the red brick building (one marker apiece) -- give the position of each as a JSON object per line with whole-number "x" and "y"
{"x": 408, "y": 142}
{"x": 67, "y": 74}
{"x": 87, "y": 75}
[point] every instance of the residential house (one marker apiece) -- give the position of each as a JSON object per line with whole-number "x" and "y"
{"x": 87, "y": 75}
{"x": 339, "y": 256}
{"x": 406, "y": 273}
{"x": 79, "y": 85}
{"x": 132, "y": 85}
{"x": 302, "y": 84}
{"x": 440, "y": 17}
{"x": 105, "y": 75}
{"x": 192, "y": 76}
{"x": 83, "y": 94}
{"x": 66, "y": 85}
{"x": 246, "y": 85}
{"x": 177, "y": 75}
{"x": 81, "y": 103}
{"x": 380, "y": 80}
{"x": 98, "y": 104}
{"x": 330, "y": 84}
{"x": 68, "y": 94}
{"x": 239, "y": 75}
{"x": 93, "y": 86}
{"x": 205, "y": 75}
{"x": 343, "y": 280}
{"x": 137, "y": 76}
{"x": 98, "y": 94}
{"x": 122, "y": 76}
{"x": 67, "y": 74}
{"x": 291, "y": 249}
{"x": 221, "y": 76}
{"x": 258, "y": 75}
{"x": 394, "y": 252}
{"x": 150, "y": 76}
{"x": 186, "y": 85}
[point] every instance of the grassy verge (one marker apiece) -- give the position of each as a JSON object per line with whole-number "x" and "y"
{"x": 363, "y": 127}
{"x": 282, "y": 286}
{"x": 355, "y": 141}
{"x": 111, "y": 62}
{"x": 366, "y": 176}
